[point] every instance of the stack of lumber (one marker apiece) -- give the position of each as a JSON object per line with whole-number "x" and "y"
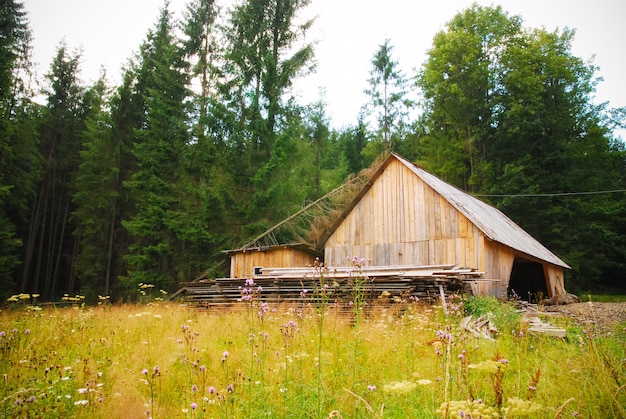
{"x": 376, "y": 282}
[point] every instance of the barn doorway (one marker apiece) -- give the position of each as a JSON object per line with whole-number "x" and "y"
{"x": 527, "y": 281}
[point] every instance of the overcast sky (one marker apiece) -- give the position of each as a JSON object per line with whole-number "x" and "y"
{"x": 348, "y": 33}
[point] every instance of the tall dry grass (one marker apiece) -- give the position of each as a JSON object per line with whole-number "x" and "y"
{"x": 407, "y": 360}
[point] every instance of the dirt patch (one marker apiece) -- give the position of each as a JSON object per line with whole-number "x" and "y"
{"x": 606, "y": 316}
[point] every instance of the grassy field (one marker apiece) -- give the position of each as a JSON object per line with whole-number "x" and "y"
{"x": 406, "y": 360}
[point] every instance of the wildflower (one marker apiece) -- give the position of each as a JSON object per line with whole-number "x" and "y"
{"x": 81, "y": 402}
{"x": 194, "y": 406}
{"x": 401, "y": 387}
{"x": 156, "y": 369}
{"x": 211, "y": 390}
{"x": 145, "y": 371}
{"x": 519, "y": 407}
{"x": 371, "y": 388}
{"x": 488, "y": 366}
{"x": 230, "y": 388}
{"x": 202, "y": 368}
{"x": 194, "y": 388}
{"x": 31, "y": 399}
{"x": 82, "y": 390}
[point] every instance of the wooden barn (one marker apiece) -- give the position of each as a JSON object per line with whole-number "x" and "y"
{"x": 247, "y": 261}
{"x": 406, "y": 217}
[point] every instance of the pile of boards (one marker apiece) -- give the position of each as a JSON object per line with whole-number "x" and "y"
{"x": 295, "y": 285}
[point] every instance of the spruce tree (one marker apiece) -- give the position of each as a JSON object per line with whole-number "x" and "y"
{"x": 159, "y": 147}
{"x": 389, "y": 97}
{"x": 49, "y": 244}
{"x": 20, "y": 160}
{"x": 96, "y": 195}
{"x": 265, "y": 53}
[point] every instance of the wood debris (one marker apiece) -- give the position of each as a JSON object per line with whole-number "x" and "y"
{"x": 482, "y": 327}
{"x": 530, "y": 315}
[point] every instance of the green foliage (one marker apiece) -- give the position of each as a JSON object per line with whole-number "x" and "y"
{"x": 154, "y": 255}
{"x": 47, "y": 269}
{"x": 388, "y": 95}
{"x": 19, "y": 157}
{"x": 204, "y": 146}
{"x": 503, "y": 315}
{"x": 509, "y": 113}
{"x": 97, "y": 192}
{"x": 460, "y": 83}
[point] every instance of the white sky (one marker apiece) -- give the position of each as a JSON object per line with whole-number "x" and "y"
{"x": 348, "y": 33}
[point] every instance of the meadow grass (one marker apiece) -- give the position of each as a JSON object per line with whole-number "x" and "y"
{"x": 255, "y": 360}
{"x": 604, "y": 298}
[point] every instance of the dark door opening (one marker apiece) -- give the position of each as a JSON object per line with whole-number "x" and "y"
{"x": 527, "y": 281}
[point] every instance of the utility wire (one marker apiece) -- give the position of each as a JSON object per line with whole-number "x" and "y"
{"x": 534, "y": 195}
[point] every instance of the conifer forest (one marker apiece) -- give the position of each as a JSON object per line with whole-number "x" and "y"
{"x": 203, "y": 145}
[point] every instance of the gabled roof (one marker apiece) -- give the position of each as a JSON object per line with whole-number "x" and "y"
{"x": 492, "y": 222}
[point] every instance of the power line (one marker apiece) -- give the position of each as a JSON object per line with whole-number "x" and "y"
{"x": 539, "y": 195}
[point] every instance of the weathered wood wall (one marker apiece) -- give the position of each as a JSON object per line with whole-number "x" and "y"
{"x": 242, "y": 263}
{"x": 554, "y": 280}
{"x": 403, "y": 221}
